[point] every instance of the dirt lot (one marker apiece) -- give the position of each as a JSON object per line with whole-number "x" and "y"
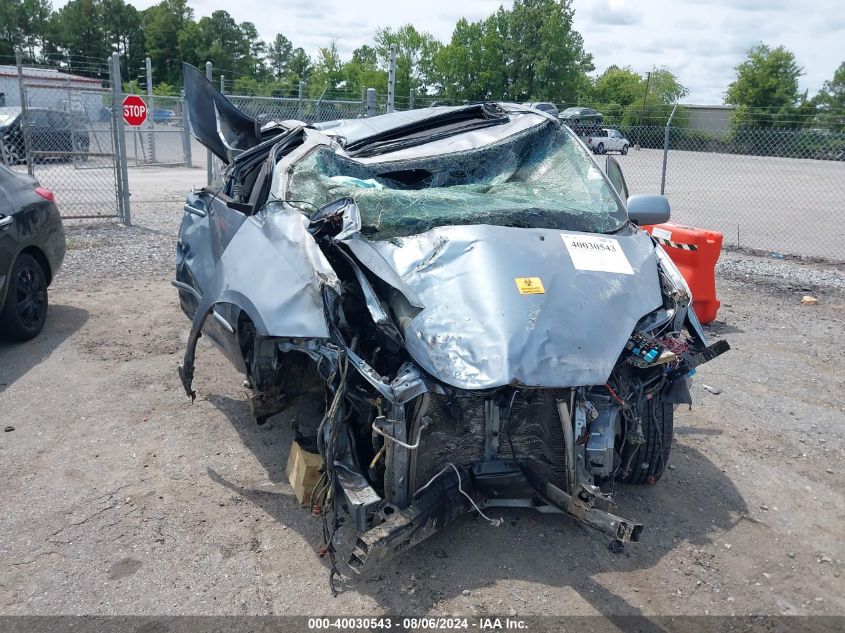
{"x": 119, "y": 496}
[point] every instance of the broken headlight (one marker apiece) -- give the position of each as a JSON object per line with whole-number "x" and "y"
{"x": 671, "y": 280}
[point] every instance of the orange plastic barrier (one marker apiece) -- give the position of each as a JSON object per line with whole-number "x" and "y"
{"x": 695, "y": 253}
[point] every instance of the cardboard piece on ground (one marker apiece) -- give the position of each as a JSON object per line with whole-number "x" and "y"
{"x": 303, "y": 471}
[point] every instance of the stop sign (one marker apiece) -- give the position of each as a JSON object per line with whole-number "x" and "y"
{"x": 134, "y": 110}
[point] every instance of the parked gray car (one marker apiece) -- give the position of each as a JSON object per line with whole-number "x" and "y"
{"x": 32, "y": 247}
{"x": 465, "y": 290}
{"x": 581, "y": 115}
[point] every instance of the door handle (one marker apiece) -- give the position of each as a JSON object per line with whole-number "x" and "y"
{"x": 195, "y": 210}
{"x": 6, "y": 220}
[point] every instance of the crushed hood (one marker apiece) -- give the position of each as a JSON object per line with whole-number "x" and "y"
{"x": 485, "y": 324}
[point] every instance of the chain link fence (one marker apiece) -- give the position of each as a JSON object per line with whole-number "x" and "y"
{"x": 60, "y": 128}
{"x": 771, "y": 186}
{"x": 164, "y": 138}
{"x": 778, "y": 191}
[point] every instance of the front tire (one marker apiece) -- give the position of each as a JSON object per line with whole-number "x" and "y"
{"x": 11, "y": 155}
{"x": 645, "y": 463}
{"x": 624, "y": 150}
{"x": 25, "y": 309}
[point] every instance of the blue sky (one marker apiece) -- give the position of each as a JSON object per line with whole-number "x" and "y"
{"x": 701, "y": 42}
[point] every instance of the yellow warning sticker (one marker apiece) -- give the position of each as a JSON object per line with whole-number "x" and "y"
{"x": 529, "y": 286}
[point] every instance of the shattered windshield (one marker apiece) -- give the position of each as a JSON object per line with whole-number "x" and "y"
{"x": 539, "y": 178}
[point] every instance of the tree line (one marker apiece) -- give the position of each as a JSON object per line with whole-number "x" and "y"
{"x": 530, "y": 52}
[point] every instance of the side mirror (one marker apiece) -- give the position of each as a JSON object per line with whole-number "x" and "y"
{"x": 648, "y": 209}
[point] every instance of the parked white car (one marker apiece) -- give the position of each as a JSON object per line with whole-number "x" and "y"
{"x": 600, "y": 140}
{"x": 614, "y": 142}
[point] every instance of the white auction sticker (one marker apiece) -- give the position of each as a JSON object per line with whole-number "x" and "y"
{"x": 661, "y": 233}
{"x": 596, "y": 252}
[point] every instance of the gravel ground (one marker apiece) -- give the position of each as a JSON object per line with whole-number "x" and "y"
{"x": 119, "y": 496}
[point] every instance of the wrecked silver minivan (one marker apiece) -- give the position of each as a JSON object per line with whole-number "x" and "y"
{"x": 469, "y": 292}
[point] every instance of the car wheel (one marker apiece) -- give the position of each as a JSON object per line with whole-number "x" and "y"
{"x": 600, "y": 148}
{"x": 25, "y": 309}
{"x": 624, "y": 150}
{"x": 11, "y": 155}
{"x": 644, "y": 463}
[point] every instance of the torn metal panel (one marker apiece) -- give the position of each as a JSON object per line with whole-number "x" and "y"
{"x": 274, "y": 245}
{"x": 215, "y": 121}
{"x": 368, "y": 254}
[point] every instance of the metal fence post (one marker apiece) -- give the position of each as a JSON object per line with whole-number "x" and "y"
{"x": 318, "y": 107}
{"x": 150, "y": 110}
{"x": 411, "y": 96}
{"x": 186, "y": 133}
{"x": 371, "y": 102}
{"x": 666, "y": 150}
{"x": 391, "y": 79}
{"x": 299, "y": 104}
{"x": 121, "y": 171}
{"x": 222, "y": 84}
{"x": 209, "y": 167}
{"x": 74, "y": 145}
{"x": 642, "y": 112}
{"x": 27, "y": 142}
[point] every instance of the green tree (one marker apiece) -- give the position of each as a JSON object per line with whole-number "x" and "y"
{"x": 10, "y": 35}
{"x": 765, "y": 91}
{"x": 654, "y": 100}
{"x": 416, "y": 53}
{"x": 163, "y": 24}
{"x": 362, "y": 72}
{"x": 546, "y": 55}
{"x": 80, "y": 34}
{"x": 279, "y": 55}
{"x": 123, "y": 32}
{"x": 300, "y": 66}
{"x": 472, "y": 66}
{"x": 830, "y": 101}
{"x": 254, "y": 51}
{"x": 528, "y": 53}
{"x": 33, "y": 23}
{"x": 665, "y": 86}
{"x": 24, "y": 25}
{"x": 621, "y": 86}
{"x": 165, "y": 89}
{"x": 328, "y": 74}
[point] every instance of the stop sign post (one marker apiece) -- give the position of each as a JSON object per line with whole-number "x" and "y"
{"x": 134, "y": 110}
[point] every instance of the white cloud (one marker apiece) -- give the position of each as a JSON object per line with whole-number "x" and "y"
{"x": 701, "y": 41}
{"x": 611, "y": 12}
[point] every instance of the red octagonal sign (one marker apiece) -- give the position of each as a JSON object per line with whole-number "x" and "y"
{"x": 134, "y": 110}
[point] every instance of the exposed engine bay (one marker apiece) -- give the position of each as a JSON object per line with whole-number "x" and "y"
{"x": 463, "y": 288}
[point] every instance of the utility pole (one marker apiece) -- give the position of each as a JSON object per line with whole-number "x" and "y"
{"x": 642, "y": 111}
{"x": 391, "y": 79}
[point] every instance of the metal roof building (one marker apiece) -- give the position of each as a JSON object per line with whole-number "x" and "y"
{"x": 51, "y": 88}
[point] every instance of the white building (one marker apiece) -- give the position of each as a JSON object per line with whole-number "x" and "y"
{"x": 51, "y": 88}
